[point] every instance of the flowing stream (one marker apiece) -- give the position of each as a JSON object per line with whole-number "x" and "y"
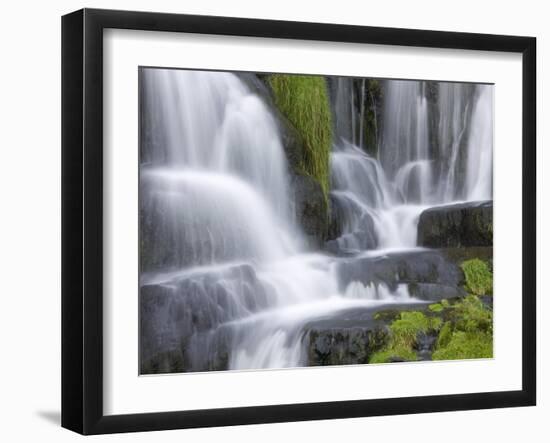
{"x": 230, "y": 266}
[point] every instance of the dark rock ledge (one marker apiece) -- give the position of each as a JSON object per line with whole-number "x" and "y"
{"x": 458, "y": 225}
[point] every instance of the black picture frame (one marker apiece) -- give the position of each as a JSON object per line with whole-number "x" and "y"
{"x": 82, "y": 220}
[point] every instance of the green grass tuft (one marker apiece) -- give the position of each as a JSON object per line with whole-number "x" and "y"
{"x": 409, "y": 325}
{"x": 479, "y": 279}
{"x": 445, "y": 335}
{"x": 472, "y": 316}
{"x": 469, "y": 334}
{"x": 465, "y": 345}
{"x": 464, "y": 330}
{"x": 393, "y": 352}
{"x": 404, "y": 332}
{"x": 304, "y": 101}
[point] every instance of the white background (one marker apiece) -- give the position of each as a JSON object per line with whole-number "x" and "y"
{"x": 30, "y": 234}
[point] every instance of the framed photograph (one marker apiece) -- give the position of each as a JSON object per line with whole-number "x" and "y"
{"x": 269, "y": 221}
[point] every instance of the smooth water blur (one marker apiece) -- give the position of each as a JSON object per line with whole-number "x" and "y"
{"x": 381, "y": 198}
{"x": 214, "y": 175}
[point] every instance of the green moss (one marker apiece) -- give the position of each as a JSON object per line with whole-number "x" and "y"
{"x": 472, "y": 316}
{"x": 464, "y": 329}
{"x": 466, "y": 345}
{"x": 394, "y": 352}
{"x": 409, "y": 325}
{"x": 479, "y": 279}
{"x": 387, "y": 315}
{"x": 435, "y": 323}
{"x": 404, "y": 332}
{"x": 445, "y": 335}
{"x": 469, "y": 334}
{"x": 303, "y": 100}
{"x": 436, "y": 307}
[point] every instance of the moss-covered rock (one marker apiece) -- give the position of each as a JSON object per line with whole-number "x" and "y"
{"x": 469, "y": 332}
{"x": 303, "y": 101}
{"x": 408, "y": 326}
{"x": 393, "y": 354}
{"x": 478, "y": 276}
{"x": 465, "y": 345}
{"x": 471, "y": 315}
{"x": 412, "y": 331}
{"x": 461, "y": 328}
{"x": 445, "y": 335}
{"x": 436, "y": 307}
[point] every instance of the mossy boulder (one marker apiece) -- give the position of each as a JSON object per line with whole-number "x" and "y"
{"x": 463, "y": 345}
{"x": 458, "y": 225}
{"x": 478, "y": 276}
{"x": 468, "y": 333}
{"x": 461, "y": 328}
{"x": 412, "y": 337}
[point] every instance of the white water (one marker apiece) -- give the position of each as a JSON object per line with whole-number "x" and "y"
{"x": 214, "y": 184}
{"x": 382, "y": 198}
{"x": 479, "y": 177}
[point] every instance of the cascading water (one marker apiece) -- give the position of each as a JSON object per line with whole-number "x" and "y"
{"x": 479, "y": 170}
{"x": 223, "y": 267}
{"x": 428, "y": 154}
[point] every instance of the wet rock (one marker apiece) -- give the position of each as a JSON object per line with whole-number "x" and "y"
{"x": 336, "y": 219}
{"x": 163, "y": 363}
{"x": 342, "y": 238}
{"x": 434, "y": 291}
{"x": 414, "y": 268}
{"x": 181, "y": 315}
{"x": 155, "y": 249}
{"x": 458, "y": 255}
{"x": 344, "y": 345}
{"x": 425, "y": 343}
{"x": 349, "y": 337}
{"x": 292, "y": 143}
{"x": 310, "y": 208}
{"x": 459, "y": 225}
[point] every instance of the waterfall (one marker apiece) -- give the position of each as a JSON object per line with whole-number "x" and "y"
{"x": 435, "y": 148}
{"x": 223, "y": 266}
{"x": 479, "y": 171}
